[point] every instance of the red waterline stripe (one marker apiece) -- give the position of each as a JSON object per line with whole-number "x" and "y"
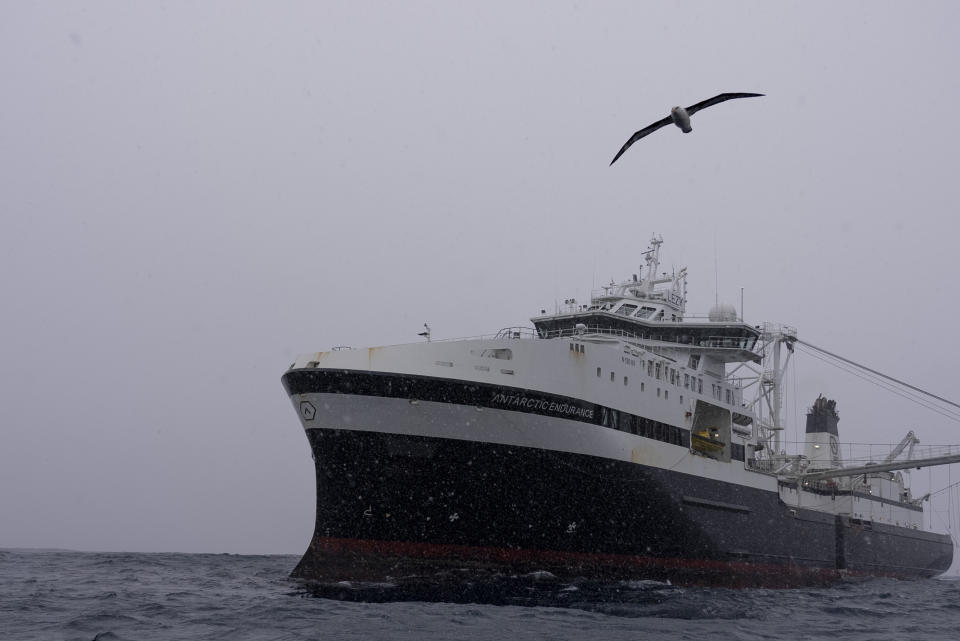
{"x": 511, "y": 555}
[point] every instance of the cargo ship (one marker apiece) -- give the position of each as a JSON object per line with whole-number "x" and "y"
{"x": 617, "y": 438}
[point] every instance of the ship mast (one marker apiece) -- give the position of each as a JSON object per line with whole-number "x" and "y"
{"x": 774, "y": 338}
{"x": 652, "y": 258}
{"x": 798, "y": 467}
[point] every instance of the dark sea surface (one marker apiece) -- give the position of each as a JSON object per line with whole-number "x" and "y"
{"x": 116, "y": 596}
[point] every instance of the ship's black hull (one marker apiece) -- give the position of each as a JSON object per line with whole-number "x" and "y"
{"x": 392, "y": 505}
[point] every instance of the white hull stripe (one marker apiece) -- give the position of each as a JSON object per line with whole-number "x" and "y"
{"x": 506, "y": 427}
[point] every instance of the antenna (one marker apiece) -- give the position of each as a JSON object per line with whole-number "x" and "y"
{"x": 425, "y": 334}
{"x": 593, "y": 277}
{"x": 716, "y": 271}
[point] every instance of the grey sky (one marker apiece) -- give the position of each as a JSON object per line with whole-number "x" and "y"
{"x": 193, "y": 193}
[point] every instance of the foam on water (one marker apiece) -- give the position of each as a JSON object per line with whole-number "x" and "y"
{"x": 120, "y": 597}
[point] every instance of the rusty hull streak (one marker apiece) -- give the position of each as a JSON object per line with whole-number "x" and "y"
{"x": 370, "y": 353}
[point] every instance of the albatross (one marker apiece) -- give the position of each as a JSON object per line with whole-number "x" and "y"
{"x": 681, "y": 118}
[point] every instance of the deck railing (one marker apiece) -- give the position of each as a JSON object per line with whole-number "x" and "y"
{"x": 666, "y": 341}
{"x": 710, "y": 342}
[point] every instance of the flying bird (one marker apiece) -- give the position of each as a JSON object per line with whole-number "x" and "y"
{"x": 681, "y": 118}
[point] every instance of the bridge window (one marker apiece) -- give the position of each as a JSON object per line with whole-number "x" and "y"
{"x": 624, "y": 381}
{"x": 645, "y": 312}
{"x": 612, "y": 375}
{"x": 626, "y": 309}
{"x": 598, "y": 372}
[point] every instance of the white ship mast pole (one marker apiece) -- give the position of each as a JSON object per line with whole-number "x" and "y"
{"x": 777, "y": 399}
{"x": 653, "y": 262}
{"x": 775, "y": 336}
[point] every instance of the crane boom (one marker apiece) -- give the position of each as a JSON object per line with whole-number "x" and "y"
{"x": 878, "y": 467}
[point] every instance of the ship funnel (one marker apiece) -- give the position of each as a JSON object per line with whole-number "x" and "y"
{"x": 823, "y": 417}
{"x": 823, "y": 445}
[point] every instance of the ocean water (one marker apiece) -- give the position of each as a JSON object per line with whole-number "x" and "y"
{"x": 116, "y": 596}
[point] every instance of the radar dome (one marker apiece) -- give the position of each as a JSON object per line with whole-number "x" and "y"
{"x": 723, "y": 313}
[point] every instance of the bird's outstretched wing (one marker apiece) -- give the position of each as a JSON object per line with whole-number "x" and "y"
{"x": 649, "y": 129}
{"x": 703, "y": 104}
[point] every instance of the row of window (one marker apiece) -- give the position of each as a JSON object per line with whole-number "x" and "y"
{"x": 689, "y": 382}
{"x": 645, "y": 312}
{"x": 649, "y": 428}
{"x": 662, "y": 371}
{"x": 669, "y": 373}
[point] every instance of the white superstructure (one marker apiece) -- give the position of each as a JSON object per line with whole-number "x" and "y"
{"x": 699, "y": 396}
